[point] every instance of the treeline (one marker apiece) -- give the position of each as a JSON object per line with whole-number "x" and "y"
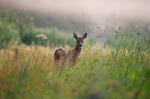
{"x": 17, "y": 26}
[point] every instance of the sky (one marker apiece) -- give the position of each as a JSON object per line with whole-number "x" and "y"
{"x": 95, "y": 10}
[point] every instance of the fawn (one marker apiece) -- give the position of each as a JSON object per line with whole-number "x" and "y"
{"x": 61, "y": 56}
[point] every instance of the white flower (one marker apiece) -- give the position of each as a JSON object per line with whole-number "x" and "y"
{"x": 42, "y": 36}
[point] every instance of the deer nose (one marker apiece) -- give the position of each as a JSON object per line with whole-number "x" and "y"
{"x": 80, "y": 45}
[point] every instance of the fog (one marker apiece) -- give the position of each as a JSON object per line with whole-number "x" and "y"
{"x": 93, "y": 9}
{"x": 97, "y": 11}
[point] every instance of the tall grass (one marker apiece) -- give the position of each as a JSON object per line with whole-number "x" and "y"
{"x": 100, "y": 72}
{"x": 119, "y": 69}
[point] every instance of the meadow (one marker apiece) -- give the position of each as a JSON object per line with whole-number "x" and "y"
{"x": 117, "y": 69}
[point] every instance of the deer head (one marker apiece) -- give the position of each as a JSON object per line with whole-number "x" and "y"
{"x": 79, "y": 39}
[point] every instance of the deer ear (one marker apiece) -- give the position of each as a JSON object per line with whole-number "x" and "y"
{"x": 84, "y": 36}
{"x": 75, "y": 35}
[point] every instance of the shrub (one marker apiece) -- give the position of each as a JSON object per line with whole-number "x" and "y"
{"x": 7, "y": 33}
{"x": 18, "y": 26}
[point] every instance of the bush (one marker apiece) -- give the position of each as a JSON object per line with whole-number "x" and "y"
{"x": 7, "y": 33}
{"x": 54, "y": 37}
{"x": 18, "y": 26}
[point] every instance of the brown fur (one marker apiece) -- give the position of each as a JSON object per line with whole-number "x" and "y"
{"x": 61, "y": 57}
{"x": 73, "y": 55}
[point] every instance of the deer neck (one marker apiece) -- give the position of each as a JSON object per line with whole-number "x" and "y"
{"x": 77, "y": 49}
{"x": 76, "y": 52}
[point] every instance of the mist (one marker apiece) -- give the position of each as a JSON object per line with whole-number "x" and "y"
{"x": 97, "y": 12}
{"x": 93, "y": 9}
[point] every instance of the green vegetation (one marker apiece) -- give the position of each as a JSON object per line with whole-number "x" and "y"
{"x": 119, "y": 69}
{"x": 130, "y": 39}
{"x": 19, "y": 27}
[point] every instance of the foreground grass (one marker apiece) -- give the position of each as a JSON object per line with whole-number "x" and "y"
{"x": 27, "y": 72}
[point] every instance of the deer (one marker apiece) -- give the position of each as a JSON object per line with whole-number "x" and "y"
{"x": 61, "y": 57}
